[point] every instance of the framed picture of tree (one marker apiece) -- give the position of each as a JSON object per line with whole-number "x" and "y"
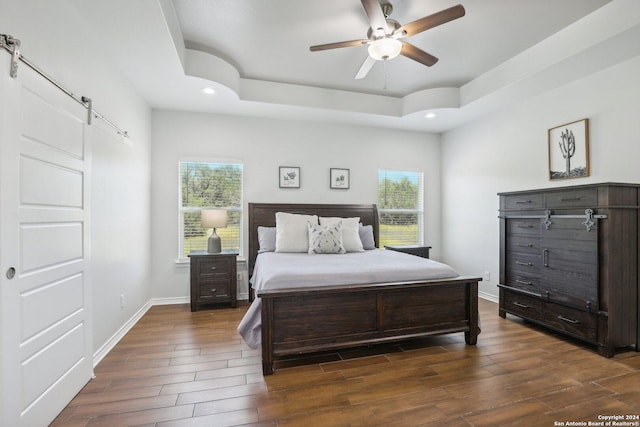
{"x": 569, "y": 150}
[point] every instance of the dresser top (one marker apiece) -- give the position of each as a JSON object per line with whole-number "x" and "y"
{"x": 572, "y": 187}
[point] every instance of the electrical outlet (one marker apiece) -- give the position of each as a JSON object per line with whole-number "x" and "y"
{"x": 239, "y": 277}
{"x": 121, "y": 300}
{"x": 486, "y": 276}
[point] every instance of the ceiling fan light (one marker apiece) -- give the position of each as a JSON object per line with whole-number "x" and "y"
{"x": 385, "y": 48}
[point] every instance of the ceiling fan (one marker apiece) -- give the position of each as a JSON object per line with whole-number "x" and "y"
{"x": 384, "y": 35}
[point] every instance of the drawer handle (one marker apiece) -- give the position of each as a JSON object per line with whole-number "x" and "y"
{"x": 522, "y": 282}
{"x": 518, "y": 304}
{"x": 522, "y": 201}
{"x": 528, "y": 264}
{"x": 524, "y": 245}
{"x": 564, "y": 319}
{"x": 570, "y": 199}
{"x": 525, "y": 226}
{"x": 214, "y": 268}
{"x": 545, "y": 257}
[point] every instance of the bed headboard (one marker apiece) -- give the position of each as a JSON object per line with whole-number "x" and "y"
{"x": 264, "y": 214}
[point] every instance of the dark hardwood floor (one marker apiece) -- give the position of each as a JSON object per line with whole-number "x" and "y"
{"x": 177, "y": 368}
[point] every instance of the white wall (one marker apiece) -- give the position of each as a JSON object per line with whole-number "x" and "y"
{"x": 507, "y": 151}
{"x": 57, "y": 39}
{"x": 263, "y": 145}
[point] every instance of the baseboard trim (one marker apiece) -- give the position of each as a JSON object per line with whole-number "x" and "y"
{"x": 488, "y": 296}
{"x": 111, "y": 342}
{"x": 169, "y": 301}
{"x": 115, "y": 339}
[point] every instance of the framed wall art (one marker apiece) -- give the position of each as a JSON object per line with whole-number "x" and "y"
{"x": 289, "y": 177}
{"x": 339, "y": 179}
{"x": 569, "y": 150}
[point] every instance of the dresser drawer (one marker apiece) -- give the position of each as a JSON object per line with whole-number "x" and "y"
{"x": 214, "y": 267}
{"x": 523, "y": 262}
{"x": 586, "y": 197}
{"x": 530, "y": 283}
{"x": 572, "y": 321}
{"x": 215, "y": 290}
{"x": 523, "y": 201}
{"x": 523, "y": 305}
{"x": 524, "y": 244}
{"x": 523, "y": 226}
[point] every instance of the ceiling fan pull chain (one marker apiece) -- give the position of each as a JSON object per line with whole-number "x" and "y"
{"x": 385, "y": 76}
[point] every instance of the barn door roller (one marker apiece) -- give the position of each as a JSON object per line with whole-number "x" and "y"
{"x": 13, "y": 46}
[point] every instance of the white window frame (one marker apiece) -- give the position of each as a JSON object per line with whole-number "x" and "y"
{"x": 182, "y": 210}
{"x": 419, "y": 211}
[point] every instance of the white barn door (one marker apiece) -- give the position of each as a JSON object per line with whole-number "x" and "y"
{"x": 46, "y": 333}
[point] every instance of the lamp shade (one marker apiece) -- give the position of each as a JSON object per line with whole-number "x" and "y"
{"x": 385, "y": 48}
{"x": 213, "y": 218}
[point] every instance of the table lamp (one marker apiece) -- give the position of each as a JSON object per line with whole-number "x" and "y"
{"x": 213, "y": 218}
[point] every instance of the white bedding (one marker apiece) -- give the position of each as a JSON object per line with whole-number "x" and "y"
{"x": 295, "y": 270}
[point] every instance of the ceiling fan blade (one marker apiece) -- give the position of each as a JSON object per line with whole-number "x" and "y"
{"x": 410, "y": 51}
{"x": 338, "y": 45}
{"x": 431, "y": 21}
{"x": 365, "y": 67}
{"x": 377, "y": 21}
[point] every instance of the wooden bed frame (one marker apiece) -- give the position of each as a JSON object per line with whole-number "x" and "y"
{"x": 311, "y": 319}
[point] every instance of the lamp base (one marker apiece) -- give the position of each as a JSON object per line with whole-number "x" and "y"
{"x": 214, "y": 245}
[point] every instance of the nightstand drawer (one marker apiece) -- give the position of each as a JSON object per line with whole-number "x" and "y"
{"x": 214, "y": 267}
{"x": 214, "y": 290}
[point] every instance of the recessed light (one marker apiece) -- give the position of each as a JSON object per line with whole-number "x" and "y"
{"x": 209, "y": 90}
{"x": 430, "y": 115}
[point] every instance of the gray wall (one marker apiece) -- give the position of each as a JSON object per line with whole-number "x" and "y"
{"x": 508, "y": 151}
{"x": 263, "y": 145}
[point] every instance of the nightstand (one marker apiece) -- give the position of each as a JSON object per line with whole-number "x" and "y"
{"x": 213, "y": 279}
{"x": 417, "y": 250}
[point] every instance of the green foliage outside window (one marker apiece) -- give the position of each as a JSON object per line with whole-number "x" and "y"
{"x": 400, "y": 207}
{"x": 205, "y": 186}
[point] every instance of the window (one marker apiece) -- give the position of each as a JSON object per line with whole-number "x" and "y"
{"x": 206, "y": 185}
{"x": 400, "y": 207}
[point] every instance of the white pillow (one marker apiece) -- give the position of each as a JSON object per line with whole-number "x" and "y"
{"x": 350, "y": 231}
{"x": 325, "y": 239}
{"x": 292, "y": 234}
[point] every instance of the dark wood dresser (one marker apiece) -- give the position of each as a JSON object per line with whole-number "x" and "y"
{"x": 213, "y": 279}
{"x": 569, "y": 261}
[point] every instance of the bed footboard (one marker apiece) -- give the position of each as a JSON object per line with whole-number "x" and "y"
{"x": 306, "y": 320}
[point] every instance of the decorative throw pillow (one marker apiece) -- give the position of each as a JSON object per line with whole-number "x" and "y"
{"x": 366, "y": 236}
{"x": 266, "y": 239}
{"x": 291, "y": 232}
{"x": 350, "y": 231}
{"x": 325, "y": 239}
